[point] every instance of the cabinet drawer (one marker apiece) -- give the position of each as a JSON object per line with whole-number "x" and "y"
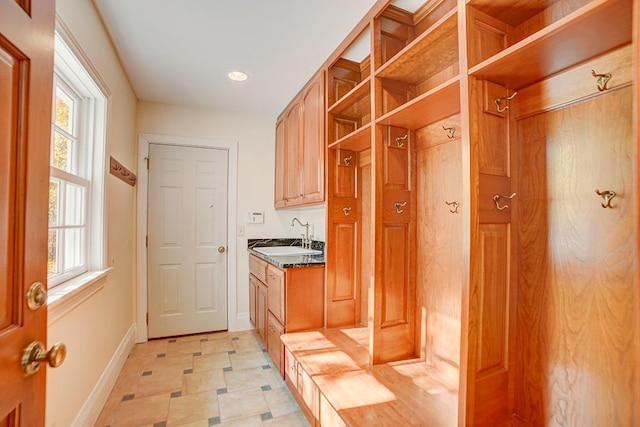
{"x": 274, "y": 345}
{"x": 258, "y": 268}
{"x": 275, "y": 283}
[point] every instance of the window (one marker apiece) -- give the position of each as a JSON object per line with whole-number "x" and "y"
{"x": 76, "y": 193}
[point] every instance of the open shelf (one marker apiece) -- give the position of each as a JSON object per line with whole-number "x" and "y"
{"x": 437, "y": 104}
{"x": 432, "y": 52}
{"x": 357, "y": 140}
{"x": 354, "y": 102}
{"x": 590, "y": 31}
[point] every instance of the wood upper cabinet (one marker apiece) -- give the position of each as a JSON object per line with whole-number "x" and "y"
{"x": 299, "y": 166}
{"x": 280, "y": 164}
{"x": 292, "y": 143}
{"x": 313, "y": 142}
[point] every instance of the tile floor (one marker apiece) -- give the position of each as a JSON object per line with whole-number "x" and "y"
{"x": 223, "y": 378}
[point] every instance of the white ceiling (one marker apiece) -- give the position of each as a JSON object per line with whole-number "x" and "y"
{"x": 180, "y": 51}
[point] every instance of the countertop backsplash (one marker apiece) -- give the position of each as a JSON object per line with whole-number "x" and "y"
{"x": 253, "y": 243}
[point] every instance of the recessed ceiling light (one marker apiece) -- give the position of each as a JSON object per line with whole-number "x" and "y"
{"x": 238, "y": 76}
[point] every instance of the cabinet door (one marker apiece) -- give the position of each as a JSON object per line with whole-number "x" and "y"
{"x": 275, "y": 289}
{"x": 293, "y": 173}
{"x": 274, "y": 346}
{"x": 280, "y": 165}
{"x": 261, "y": 312}
{"x": 313, "y": 142}
{"x": 253, "y": 289}
{"x": 308, "y": 391}
{"x": 290, "y": 368}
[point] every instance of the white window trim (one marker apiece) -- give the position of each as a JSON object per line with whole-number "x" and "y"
{"x": 66, "y": 296}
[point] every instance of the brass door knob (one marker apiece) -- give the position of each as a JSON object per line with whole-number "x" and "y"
{"x": 36, "y": 295}
{"x": 36, "y": 353}
{"x": 221, "y": 249}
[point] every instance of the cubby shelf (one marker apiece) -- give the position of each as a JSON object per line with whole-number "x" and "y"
{"x": 357, "y": 140}
{"x": 433, "y": 51}
{"x": 565, "y": 43}
{"x": 353, "y": 98}
{"x": 436, "y": 104}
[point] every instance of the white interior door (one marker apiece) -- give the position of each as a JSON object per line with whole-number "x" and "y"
{"x": 187, "y": 229}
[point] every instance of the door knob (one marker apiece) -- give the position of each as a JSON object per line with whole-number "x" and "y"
{"x": 36, "y": 353}
{"x": 221, "y": 249}
{"x": 36, "y": 296}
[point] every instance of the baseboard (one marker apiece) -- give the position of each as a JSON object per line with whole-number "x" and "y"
{"x": 92, "y": 407}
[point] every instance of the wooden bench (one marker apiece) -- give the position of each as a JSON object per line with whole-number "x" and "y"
{"x": 329, "y": 374}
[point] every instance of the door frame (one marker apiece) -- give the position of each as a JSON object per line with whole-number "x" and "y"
{"x": 141, "y": 223}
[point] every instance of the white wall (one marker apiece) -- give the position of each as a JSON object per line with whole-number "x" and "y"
{"x": 93, "y": 331}
{"x": 256, "y": 141}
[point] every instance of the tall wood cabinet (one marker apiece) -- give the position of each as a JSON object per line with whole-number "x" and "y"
{"x": 482, "y": 208}
{"x": 300, "y": 149}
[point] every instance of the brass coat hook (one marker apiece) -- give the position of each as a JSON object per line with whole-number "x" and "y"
{"x": 504, "y": 98}
{"x": 347, "y": 160}
{"x": 602, "y": 80}
{"x": 400, "y": 139}
{"x": 451, "y": 132}
{"x": 346, "y": 210}
{"x": 496, "y": 200}
{"x": 399, "y": 205}
{"x": 607, "y": 195}
{"x": 455, "y": 205}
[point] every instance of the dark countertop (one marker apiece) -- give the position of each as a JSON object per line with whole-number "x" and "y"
{"x": 288, "y": 261}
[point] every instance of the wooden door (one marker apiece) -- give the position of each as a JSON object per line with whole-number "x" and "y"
{"x": 280, "y": 165}
{"x": 313, "y": 141}
{"x": 187, "y": 240}
{"x": 253, "y": 295}
{"x": 26, "y": 75}
{"x": 293, "y": 172}
{"x": 261, "y": 311}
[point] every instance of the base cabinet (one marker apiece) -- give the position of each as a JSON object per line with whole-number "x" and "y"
{"x": 284, "y": 300}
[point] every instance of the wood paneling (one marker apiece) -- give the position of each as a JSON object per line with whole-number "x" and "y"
{"x": 439, "y": 253}
{"x": 577, "y": 263}
{"x": 12, "y": 77}
{"x": 493, "y": 300}
{"x": 342, "y": 276}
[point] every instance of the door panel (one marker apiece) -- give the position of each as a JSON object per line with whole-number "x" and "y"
{"x": 187, "y": 225}
{"x": 26, "y": 75}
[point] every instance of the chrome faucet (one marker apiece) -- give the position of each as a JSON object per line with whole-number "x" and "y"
{"x": 306, "y": 239}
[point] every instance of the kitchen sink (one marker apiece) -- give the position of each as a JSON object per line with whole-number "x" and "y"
{"x": 286, "y": 250}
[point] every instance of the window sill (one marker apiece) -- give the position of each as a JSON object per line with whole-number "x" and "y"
{"x": 70, "y": 294}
